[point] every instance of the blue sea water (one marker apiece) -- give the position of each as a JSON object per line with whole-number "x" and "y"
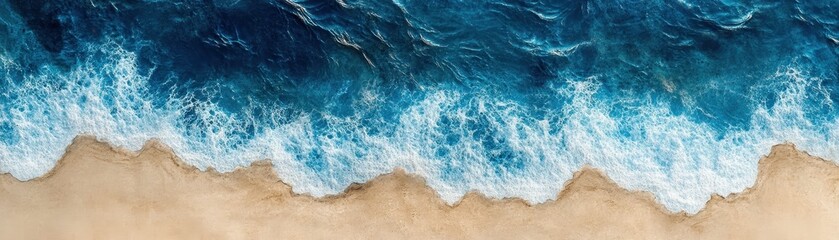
{"x": 509, "y": 98}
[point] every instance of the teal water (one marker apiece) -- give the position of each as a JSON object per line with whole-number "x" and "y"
{"x": 680, "y": 98}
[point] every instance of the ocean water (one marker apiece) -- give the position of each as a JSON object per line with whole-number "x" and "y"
{"x": 508, "y": 98}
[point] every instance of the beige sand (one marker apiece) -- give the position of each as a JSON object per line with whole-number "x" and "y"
{"x": 97, "y": 192}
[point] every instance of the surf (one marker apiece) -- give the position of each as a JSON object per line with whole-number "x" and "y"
{"x": 507, "y": 101}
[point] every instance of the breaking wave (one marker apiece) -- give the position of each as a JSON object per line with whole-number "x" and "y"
{"x": 507, "y": 98}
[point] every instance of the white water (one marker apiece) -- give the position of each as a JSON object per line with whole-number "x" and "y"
{"x": 111, "y": 101}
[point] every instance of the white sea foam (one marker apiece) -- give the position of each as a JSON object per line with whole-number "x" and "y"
{"x": 111, "y": 101}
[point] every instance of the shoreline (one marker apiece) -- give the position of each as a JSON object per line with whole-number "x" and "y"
{"x": 96, "y": 190}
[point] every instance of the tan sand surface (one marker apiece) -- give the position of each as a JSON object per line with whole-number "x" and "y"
{"x": 99, "y": 192}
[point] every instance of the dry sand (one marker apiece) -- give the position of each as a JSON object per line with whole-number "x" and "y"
{"x": 98, "y": 192}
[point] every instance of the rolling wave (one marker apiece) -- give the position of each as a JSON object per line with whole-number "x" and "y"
{"x": 507, "y": 98}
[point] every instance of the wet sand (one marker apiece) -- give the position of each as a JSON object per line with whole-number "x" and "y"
{"x": 99, "y": 192}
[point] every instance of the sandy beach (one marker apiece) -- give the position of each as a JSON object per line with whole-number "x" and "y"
{"x": 100, "y": 192}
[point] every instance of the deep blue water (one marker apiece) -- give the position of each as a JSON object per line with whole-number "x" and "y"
{"x": 680, "y": 98}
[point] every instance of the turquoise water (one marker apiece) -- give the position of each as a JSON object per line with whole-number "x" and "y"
{"x": 680, "y": 98}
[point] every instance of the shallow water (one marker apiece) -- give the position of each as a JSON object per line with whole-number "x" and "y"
{"x": 680, "y": 98}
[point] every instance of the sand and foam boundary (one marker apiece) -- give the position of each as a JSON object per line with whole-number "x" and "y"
{"x": 96, "y": 191}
